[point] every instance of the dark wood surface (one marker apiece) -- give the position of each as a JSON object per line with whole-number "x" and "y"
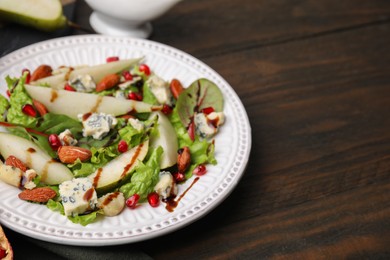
{"x": 314, "y": 77}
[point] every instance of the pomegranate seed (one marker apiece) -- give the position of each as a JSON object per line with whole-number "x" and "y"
{"x": 132, "y": 201}
{"x": 127, "y": 75}
{"x": 69, "y": 87}
{"x": 122, "y": 146}
{"x": 145, "y": 69}
{"x": 3, "y": 253}
{"x": 167, "y": 109}
{"x": 179, "y": 177}
{"x": 29, "y": 110}
{"x": 135, "y": 96}
{"x": 154, "y": 199}
{"x": 111, "y": 59}
{"x": 8, "y": 93}
{"x": 200, "y": 170}
{"x": 208, "y": 110}
{"x": 28, "y": 78}
{"x": 191, "y": 130}
{"x": 55, "y": 142}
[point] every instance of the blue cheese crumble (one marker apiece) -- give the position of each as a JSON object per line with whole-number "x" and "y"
{"x": 160, "y": 90}
{"x": 78, "y": 196}
{"x": 166, "y": 186}
{"x": 67, "y": 138}
{"x": 97, "y": 125}
{"x": 136, "y": 124}
{"x": 207, "y": 125}
{"x": 83, "y": 83}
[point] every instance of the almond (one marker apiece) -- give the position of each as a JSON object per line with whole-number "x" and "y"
{"x": 15, "y": 162}
{"x": 183, "y": 159}
{"x": 39, "y": 195}
{"x": 108, "y": 82}
{"x": 42, "y": 71}
{"x": 42, "y": 110}
{"x": 176, "y": 88}
{"x": 69, "y": 154}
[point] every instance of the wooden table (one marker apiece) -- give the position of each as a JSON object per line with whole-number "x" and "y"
{"x": 314, "y": 77}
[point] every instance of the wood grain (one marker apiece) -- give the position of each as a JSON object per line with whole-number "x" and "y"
{"x": 317, "y": 184}
{"x": 208, "y": 28}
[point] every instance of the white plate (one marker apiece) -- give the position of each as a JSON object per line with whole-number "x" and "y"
{"x": 233, "y": 145}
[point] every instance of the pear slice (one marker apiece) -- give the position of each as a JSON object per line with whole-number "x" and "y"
{"x": 44, "y": 15}
{"x": 167, "y": 139}
{"x": 110, "y": 175}
{"x": 97, "y": 72}
{"x": 51, "y": 172}
{"x": 74, "y": 103}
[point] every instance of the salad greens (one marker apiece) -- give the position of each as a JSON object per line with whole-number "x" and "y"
{"x": 89, "y": 154}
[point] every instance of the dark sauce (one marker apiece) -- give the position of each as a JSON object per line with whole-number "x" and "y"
{"x": 135, "y": 156}
{"x": 88, "y": 194}
{"x": 67, "y": 75}
{"x": 110, "y": 198}
{"x": 156, "y": 108}
{"x": 97, "y": 177}
{"x": 54, "y": 95}
{"x": 45, "y": 169}
{"x": 96, "y": 106}
{"x": 214, "y": 122}
{"x": 86, "y": 116}
{"x": 172, "y": 203}
{"x": 31, "y": 150}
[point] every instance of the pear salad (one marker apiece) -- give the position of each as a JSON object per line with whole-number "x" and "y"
{"x": 91, "y": 141}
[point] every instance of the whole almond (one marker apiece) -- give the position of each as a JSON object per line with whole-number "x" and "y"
{"x": 69, "y": 154}
{"x": 39, "y": 195}
{"x": 42, "y": 71}
{"x": 15, "y": 162}
{"x": 42, "y": 110}
{"x": 183, "y": 159}
{"x": 176, "y": 88}
{"x": 108, "y": 82}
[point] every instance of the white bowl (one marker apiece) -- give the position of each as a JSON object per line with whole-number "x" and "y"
{"x": 127, "y": 17}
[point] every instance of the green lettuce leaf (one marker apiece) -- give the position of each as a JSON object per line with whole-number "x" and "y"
{"x": 4, "y": 105}
{"x": 18, "y": 99}
{"x": 55, "y": 124}
{"x": 145, "y": 176}
{"x": 100, "y": 157}
{"x": 83, "y": 220}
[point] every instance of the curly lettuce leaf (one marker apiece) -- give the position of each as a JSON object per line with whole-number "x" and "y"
{"x": 18, "y": 99}
{"x": 100, "y": 157}
{"x": 83, "y": 220}
{"x": 145, "y": 176}
{"x": 4, "y": 105}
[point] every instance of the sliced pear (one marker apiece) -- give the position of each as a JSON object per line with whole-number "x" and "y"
{"x": 10, "y": 175}
{"x": 167, "y": 139}
{"x": 96, "y": 72}
{"x": 74, "y": 103}
{"x": 109, "y": 176}
{"x": 44, "y": 15}
{"x": 51, "y": 172}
